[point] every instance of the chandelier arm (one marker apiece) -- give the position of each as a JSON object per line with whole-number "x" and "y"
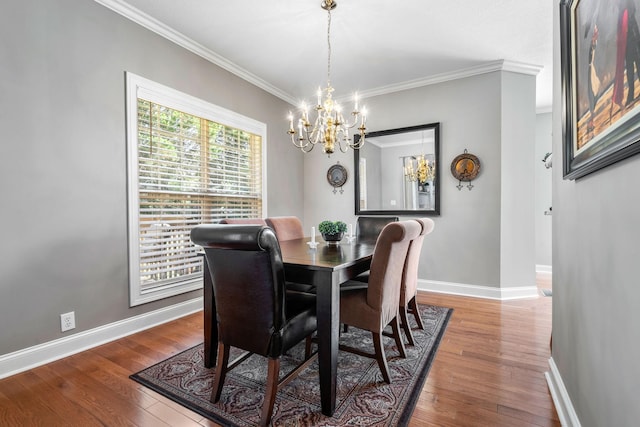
{"x": 311, "y": 146}
{"x": 352, "y": 125}
{"x": 357, "y": 145}
{"x": 313, "y": 135}
{"x": 299, "y": 144}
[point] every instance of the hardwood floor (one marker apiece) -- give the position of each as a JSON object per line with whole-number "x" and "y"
{"x": 489, "y": 371}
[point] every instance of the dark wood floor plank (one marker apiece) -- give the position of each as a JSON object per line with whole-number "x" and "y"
{"x": 21, "y": 405}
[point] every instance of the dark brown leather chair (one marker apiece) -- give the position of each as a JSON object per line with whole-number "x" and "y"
{"x": 409, "y": 284}
{"x": 255, "y": 221}
{"x": 376, "y": 307}
{"x": 286, "y": 227}
{"x": 254, "y": 312}
{"x": 369, "y": 227}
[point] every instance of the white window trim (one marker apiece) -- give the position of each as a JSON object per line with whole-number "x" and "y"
{"x": 139, "y": 87}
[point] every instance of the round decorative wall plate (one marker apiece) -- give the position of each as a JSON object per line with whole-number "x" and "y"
{"x": 465, "y": 167}
{"x": 337, "y": 176}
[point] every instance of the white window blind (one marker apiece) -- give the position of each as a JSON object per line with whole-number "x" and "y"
{"x": 189, "y": 169}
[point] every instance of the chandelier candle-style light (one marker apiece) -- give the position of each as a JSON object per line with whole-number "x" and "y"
{"x": 330, "y": 127}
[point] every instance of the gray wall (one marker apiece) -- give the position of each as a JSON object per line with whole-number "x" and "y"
{"x": 493, "y": 116}
{"x": 63, "y": 174}
{"x": 517, "y": 181}
{"x": 596, "y": 292}
{"x": 543, "y": 190}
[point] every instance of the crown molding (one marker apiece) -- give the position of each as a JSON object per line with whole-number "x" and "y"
{"x": 521, "y": 68}
{"x": 152, "y": 24}
{"x": 489, "y": 67}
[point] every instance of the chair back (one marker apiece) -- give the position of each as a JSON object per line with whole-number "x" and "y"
{"x": 369, "y": 227}
{"x": 387, "y": 265}
{"x": 409, "y": 285}
{"x": 286, "y": 227}
{"x": 246, "y": 269}
{"x": 255, "y": 221}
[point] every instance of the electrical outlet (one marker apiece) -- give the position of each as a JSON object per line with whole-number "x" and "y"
{"x": 67, "y": 321}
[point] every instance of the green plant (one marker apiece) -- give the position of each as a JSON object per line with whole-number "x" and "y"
{"x": 332, "y": 227}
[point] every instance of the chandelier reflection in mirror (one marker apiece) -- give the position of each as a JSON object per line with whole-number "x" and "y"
{"x": 330, "y": 127}
{"x": 419, "y": 169}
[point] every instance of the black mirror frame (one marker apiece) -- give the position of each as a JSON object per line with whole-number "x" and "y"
{"x": 414, "y": 212}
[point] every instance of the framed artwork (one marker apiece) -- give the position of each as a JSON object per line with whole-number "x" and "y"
{"x": 600, "y": 66}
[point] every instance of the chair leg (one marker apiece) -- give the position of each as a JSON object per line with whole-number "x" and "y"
{"x": 270, "y": 392}
{"x": 416, "y": 313}
{"x": 307, "y": 347}
{"x": 397, "y": 337}
{"x": 380, "y": 357}
{"x": 221, "y": 371}
{"x": 406, "y": 326}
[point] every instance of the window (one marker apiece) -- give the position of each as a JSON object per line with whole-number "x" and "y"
{"x": 189, "y": 163}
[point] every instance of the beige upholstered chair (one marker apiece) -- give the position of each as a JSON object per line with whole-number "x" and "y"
{"x": 375, "y": 307}
{"x": 369, "y": 228}
{"x": 286, "y": 227}
{"x": 409, "y": 284}
{"x": 255, "y": 221}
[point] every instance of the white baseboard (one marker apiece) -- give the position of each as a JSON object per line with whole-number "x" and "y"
{"x": 477, "y": 291}
{"x": 543, "y": 269}
{"x": 561, "y": 399}
{"x": 28, "y": 358}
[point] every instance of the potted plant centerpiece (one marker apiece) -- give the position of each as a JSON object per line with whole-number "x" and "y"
{"x": 332, "y": 231}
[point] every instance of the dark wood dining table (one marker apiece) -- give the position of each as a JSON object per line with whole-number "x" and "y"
{"x": 325, "y": 267}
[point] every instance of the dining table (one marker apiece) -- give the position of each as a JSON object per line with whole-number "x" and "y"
{"x": 326, "y": 266}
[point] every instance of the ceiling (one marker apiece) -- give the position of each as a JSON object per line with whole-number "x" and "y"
{"x": 377, "y": 46}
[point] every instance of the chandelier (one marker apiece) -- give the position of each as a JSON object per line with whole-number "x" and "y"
{"x": 329, "y": 127}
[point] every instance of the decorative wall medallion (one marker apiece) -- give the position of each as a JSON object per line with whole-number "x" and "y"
{"x": 465, "y": 167}
{"x": 337, "y": 176}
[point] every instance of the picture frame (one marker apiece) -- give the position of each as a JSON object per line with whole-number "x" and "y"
{"x": 600, "y": 93}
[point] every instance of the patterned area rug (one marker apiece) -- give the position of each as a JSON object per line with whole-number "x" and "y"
{"x": 363, "y": 398}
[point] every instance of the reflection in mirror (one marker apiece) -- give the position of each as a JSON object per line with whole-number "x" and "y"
{"x": 396, "y": 172}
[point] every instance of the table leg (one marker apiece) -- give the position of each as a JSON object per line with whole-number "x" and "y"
{"x": 210, "y": 320}
{"x": 328, "y": 312}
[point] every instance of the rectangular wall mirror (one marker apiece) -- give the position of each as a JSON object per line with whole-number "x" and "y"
{"x": 397, "y": 172}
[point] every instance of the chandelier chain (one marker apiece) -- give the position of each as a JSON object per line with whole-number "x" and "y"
{"x": 329, "y": 47}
